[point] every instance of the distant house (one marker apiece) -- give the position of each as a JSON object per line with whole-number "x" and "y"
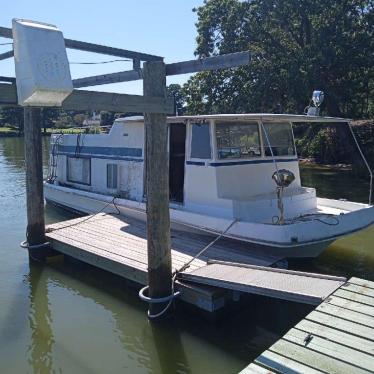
{"x": 94, "y": 120}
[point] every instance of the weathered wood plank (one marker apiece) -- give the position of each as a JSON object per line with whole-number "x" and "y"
{"x": 329, "y": 348}
{"x": 337, "y": 336}
{"x": 34, "y": 178}
{"x": 157, "y": 189}
{"x": 362, "y": 282}
{"x": 281, "y": 364}
{"x": 314, "y": 359}
{"x": 347, "y": 314}
{"x": 256, "y": 369}
{"x": 266, "y": 282}
{"x": 96, "y": 80}
{"x": 8, "y": 94}
{"x": 351, "y": 305}
{"x": 355, "y": 297}
{"x": 5, "y": 55}
{"x": 342, "y": 324}
{"x": 93, "y": 100}
{"x": 362, "y": 290}
{"x": 231, "y": 60}
{"x": 96, "y": 48}
{"x": 8, "y": 79}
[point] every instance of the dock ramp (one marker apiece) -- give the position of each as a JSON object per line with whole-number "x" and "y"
{"x": 308, "y": 288}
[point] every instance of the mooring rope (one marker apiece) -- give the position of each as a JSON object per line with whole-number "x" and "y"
{"x": 169, "y": 299}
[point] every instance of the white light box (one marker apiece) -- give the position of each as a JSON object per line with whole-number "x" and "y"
{"x": 42, "y": 67}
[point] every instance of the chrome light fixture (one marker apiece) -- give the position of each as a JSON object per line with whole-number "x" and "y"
{"x": 317, "y": 100}
{"x": 283, "y": 178}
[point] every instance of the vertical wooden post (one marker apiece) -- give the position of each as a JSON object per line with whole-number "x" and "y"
{"x": 157, "y": 187}
{"x": 34, "y": 176}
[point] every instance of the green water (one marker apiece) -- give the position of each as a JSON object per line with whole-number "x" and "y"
{"x": 70, "y": 318}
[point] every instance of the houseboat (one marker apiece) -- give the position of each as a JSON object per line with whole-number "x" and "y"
{"x": 236, "y": 171}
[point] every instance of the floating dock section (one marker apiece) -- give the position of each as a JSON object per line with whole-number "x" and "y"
{"x": 119, "y": 246}
{"x": 337, "y": 337}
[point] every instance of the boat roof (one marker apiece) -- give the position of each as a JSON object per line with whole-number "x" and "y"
{"x": 265, "y": 117}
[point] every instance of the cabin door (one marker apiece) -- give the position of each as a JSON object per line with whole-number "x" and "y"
{"x": 177, "y": 156}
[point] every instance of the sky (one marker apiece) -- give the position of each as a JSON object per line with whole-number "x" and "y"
{"x": 160, "y": 27}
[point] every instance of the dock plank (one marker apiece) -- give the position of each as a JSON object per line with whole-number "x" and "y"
{"x": 362, "y": 282}
{"x": 342, "y": 325}
{"x": 330, "y": 348}
{"x": 256, "y": 369}
{"x": 351, "y": 305}
{"x": 347, "y": 314}
{"x": 313, "y": 359}
{"x": 354, "y": 296}
{"x": 337, "y": 337}
{"x": 362, "y": 290}
{"x": 283, "y": 285}
{"x": 119, "y": 245}
{"x": 282, "y": 364}
{"x": 341, "y": 337}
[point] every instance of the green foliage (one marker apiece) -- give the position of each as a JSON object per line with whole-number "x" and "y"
{"x": 107, "y": 118}
{"x": 176, "y": 92}
{"x": 296, "y": 46}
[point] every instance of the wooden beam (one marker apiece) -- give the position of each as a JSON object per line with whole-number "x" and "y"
{"x": 157, "y": 187}
{"x": 8, "y": 79}
{"x": 4, "y": 56}
{"x": 96, "y": 48}
{"x": 97, "y": 80}
{"x": 34, "y": 177}
{"x": 93, "y": 100}
{"x": 210, "y": 63}
{"x": 8, "y": 94}
{"x": 230, "y": 60}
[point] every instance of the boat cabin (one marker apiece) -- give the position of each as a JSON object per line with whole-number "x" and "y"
{"x": 221, "y": 164}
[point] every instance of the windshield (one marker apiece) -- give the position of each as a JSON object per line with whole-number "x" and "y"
{"x": 280, "y": 138}
{"x": 237, "y": 140}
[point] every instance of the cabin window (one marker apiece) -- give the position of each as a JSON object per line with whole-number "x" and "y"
{"x": 280, "y": 139}
{"x": 112, "y": 176}
{"x": 237, "y": 140}
{"x": 200, "y": 143}
{"x": 79, "y": 170}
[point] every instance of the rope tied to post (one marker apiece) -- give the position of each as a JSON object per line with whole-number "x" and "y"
{"x": 169, "y": 299}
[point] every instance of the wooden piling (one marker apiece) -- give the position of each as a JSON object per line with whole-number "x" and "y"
{"x": 34, "y": 177}
{"x": 157, "y": 187}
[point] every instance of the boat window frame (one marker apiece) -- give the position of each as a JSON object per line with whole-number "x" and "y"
{"x": 191, "y": 122}
{"x": 90, "y": 168}
{"x": 108, "y": 165}
{"x": 264, "y": 141}
{"x": 235, "y": 120}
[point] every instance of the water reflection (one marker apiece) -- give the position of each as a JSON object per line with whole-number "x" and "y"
{"x": 40, "y": 321}
{"x": 69, "y": 317}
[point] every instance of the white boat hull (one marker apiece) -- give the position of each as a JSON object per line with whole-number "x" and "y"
{"x": 296, "y": 240}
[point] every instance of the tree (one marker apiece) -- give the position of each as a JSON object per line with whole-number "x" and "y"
{"x": 176, "y": 92}
{"x": 107, "y": 118}
{"x": 296, "y": 46}
{"x": 12, "y": 116}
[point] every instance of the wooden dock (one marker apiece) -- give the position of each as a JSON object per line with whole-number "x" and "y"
{"x": 119, "y": 245}
{"x": 337, "y": 337}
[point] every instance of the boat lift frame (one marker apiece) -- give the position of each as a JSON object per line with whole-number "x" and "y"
{"x": 155, "y": 105}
